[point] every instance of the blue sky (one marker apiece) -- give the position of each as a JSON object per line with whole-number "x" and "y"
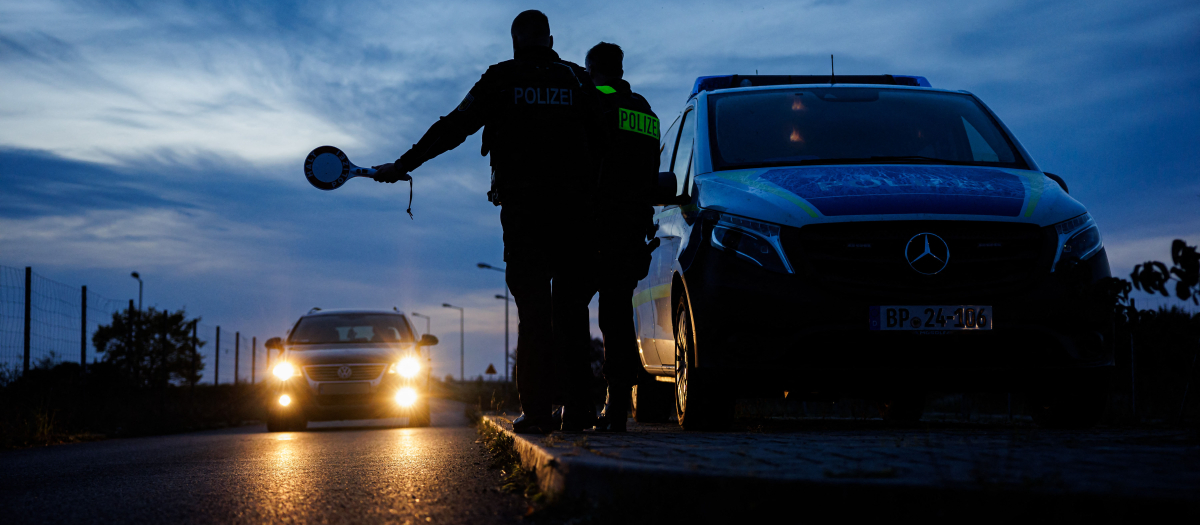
{"x": 168, "y": 137}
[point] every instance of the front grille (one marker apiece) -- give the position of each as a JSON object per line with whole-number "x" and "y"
{"x": 357, "y": 372}
{"x": 868, "y": 257}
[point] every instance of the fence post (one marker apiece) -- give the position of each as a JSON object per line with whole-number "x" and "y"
{"x": 83, "y": 331}
{"x": 217, "y": 361}
{"x": 28, "y": 305}
{"x": 237, "y": 355}
{"x": 253, "y": 357}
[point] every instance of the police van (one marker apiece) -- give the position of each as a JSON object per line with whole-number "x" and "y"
{"x": 866, "y": 236}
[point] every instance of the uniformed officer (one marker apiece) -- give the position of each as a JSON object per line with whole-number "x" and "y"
{"x": 627, "y": 180}
{"x": 541, "y": 123}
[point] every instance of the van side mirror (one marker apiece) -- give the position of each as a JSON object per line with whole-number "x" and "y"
{"x": 665, "y": 190}
{"x": 1059, "y": 180}
{"x": 428, "y": 340}
{"x": 274, "y": 343}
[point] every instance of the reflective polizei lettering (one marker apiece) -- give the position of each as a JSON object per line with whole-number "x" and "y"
{"x": 638, "y": 122}
{"x": 544, "y": 96}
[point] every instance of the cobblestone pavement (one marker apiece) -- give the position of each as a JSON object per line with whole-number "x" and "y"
{"x": 1132, "y": 463}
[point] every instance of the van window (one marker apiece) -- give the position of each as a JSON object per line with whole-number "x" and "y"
{"x": 683, "y": 153}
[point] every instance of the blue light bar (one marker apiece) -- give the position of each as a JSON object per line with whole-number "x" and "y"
{"x": 714, "y": 82}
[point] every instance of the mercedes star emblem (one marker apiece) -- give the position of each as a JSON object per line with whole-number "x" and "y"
{"x": 344, "y": 372}
{"x": 927, "y": 253}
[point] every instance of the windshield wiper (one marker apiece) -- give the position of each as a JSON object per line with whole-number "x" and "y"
{"x": 916, "y": 159}
{"x": 879, "y": 159}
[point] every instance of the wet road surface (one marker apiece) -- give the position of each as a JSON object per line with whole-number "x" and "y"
{"x": 337, "y": 472}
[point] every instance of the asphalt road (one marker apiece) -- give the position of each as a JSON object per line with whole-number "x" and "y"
{"x": 373, "y": 471}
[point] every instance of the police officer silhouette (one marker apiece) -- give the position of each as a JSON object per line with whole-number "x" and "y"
{"x": 627, "y": 180}
{"x": 541, "y": 123}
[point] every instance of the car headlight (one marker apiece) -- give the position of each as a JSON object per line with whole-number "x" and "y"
{"x": 408, "y": 367}
{"x": 284, "y": 370}
{"x": 406, "y": 396}
{"x": 1078, "y": 239}
{"x": 750, "y": 240}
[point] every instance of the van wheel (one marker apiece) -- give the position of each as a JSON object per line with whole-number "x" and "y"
{"x": 700, "y": 403}
{"x": 652, "y": 400}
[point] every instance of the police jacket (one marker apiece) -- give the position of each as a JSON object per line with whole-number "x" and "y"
{"x": 630, "y": 164}
{"x": 542, "y": 127}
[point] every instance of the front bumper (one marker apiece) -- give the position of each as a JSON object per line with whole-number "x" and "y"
{"x": 379, "y": 403}
{"x": 774, "y": 331}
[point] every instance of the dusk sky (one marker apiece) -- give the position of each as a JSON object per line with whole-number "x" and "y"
{"x": 168, "y": 137}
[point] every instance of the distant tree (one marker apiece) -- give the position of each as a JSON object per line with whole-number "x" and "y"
{"x": 1154, "y": 276}
{"x": 152, "y": 348}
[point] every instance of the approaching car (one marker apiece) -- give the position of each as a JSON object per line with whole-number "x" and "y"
{"x": 872, "y": 238}
{"x": 349, "y": 364}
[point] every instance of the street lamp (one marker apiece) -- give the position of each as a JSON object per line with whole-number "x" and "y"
{"x": 139, "y": 279}
{"x": 415, "y": 314}
{"x": 462, "y": 356}
{"x": 486, "y": 266}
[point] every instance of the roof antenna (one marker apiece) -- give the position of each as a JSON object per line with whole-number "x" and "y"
{"x": 831, "y": 69}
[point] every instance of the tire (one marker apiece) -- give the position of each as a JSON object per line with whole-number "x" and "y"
{"x": 298, "y": 423}
{"x": 420, "y": 416}
{"x": 903, "y": 409}
{"x": 700, "y": 402}
{"x": 652, "y": 400}
{"x": 1076, "y": 405}
{"x": 275, "y": 423}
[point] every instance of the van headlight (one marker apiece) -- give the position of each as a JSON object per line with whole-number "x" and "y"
{"x": 1078, "y": 239}
{"x": 750, "y": 240}
{"x": 284, "y": 370}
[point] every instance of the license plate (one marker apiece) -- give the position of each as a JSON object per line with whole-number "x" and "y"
{"x": 931, "y": 318}
{"x": 341, "y": 389}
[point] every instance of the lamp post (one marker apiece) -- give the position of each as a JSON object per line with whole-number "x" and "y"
{"x": 139, "y": 280}
{"x": 507, "y": 366}
{"x": 486, "y": 266}
{"x": 462, "y": 359}
{"x": 426, "y": 317}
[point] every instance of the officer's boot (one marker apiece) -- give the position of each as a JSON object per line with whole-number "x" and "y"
{"x": 578, "y": 416}
{"x": 616, "y": 409}
{"x": 535, "y": 422}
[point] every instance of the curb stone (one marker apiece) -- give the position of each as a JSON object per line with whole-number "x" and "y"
{"x": 569, "y": 467}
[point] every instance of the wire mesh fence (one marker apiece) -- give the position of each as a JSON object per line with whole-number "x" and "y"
{"x": 62, "y": 320}
{"x": 230, "y": 356}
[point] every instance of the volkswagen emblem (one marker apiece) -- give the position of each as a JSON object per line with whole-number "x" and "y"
{"x": 344, "y": 372}
{"x": 927, "y": 253}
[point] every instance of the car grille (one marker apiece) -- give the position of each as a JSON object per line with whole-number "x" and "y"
{"x": 357, "y": 372}
{"x": 868, "y": 257}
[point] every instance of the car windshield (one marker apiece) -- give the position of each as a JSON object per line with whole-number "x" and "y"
{"x": 351, "y": 329}
{"x": 854, "y": 125}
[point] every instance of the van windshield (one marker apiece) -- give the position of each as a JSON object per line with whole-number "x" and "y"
{"x": 854, "y": 125}
{"x": 351, "y": 329}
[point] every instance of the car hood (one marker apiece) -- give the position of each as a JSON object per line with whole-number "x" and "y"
{"x": 796, "y": 196}
{"x": 335, "y": 354}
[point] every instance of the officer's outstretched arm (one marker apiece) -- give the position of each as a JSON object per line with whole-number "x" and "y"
{"x": 451, "y": 130}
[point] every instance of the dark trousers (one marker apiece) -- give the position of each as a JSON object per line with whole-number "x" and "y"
{"x": 621, "y": 361}
{"x": 623, "y": 260}
{"x": 549, "y": 276}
